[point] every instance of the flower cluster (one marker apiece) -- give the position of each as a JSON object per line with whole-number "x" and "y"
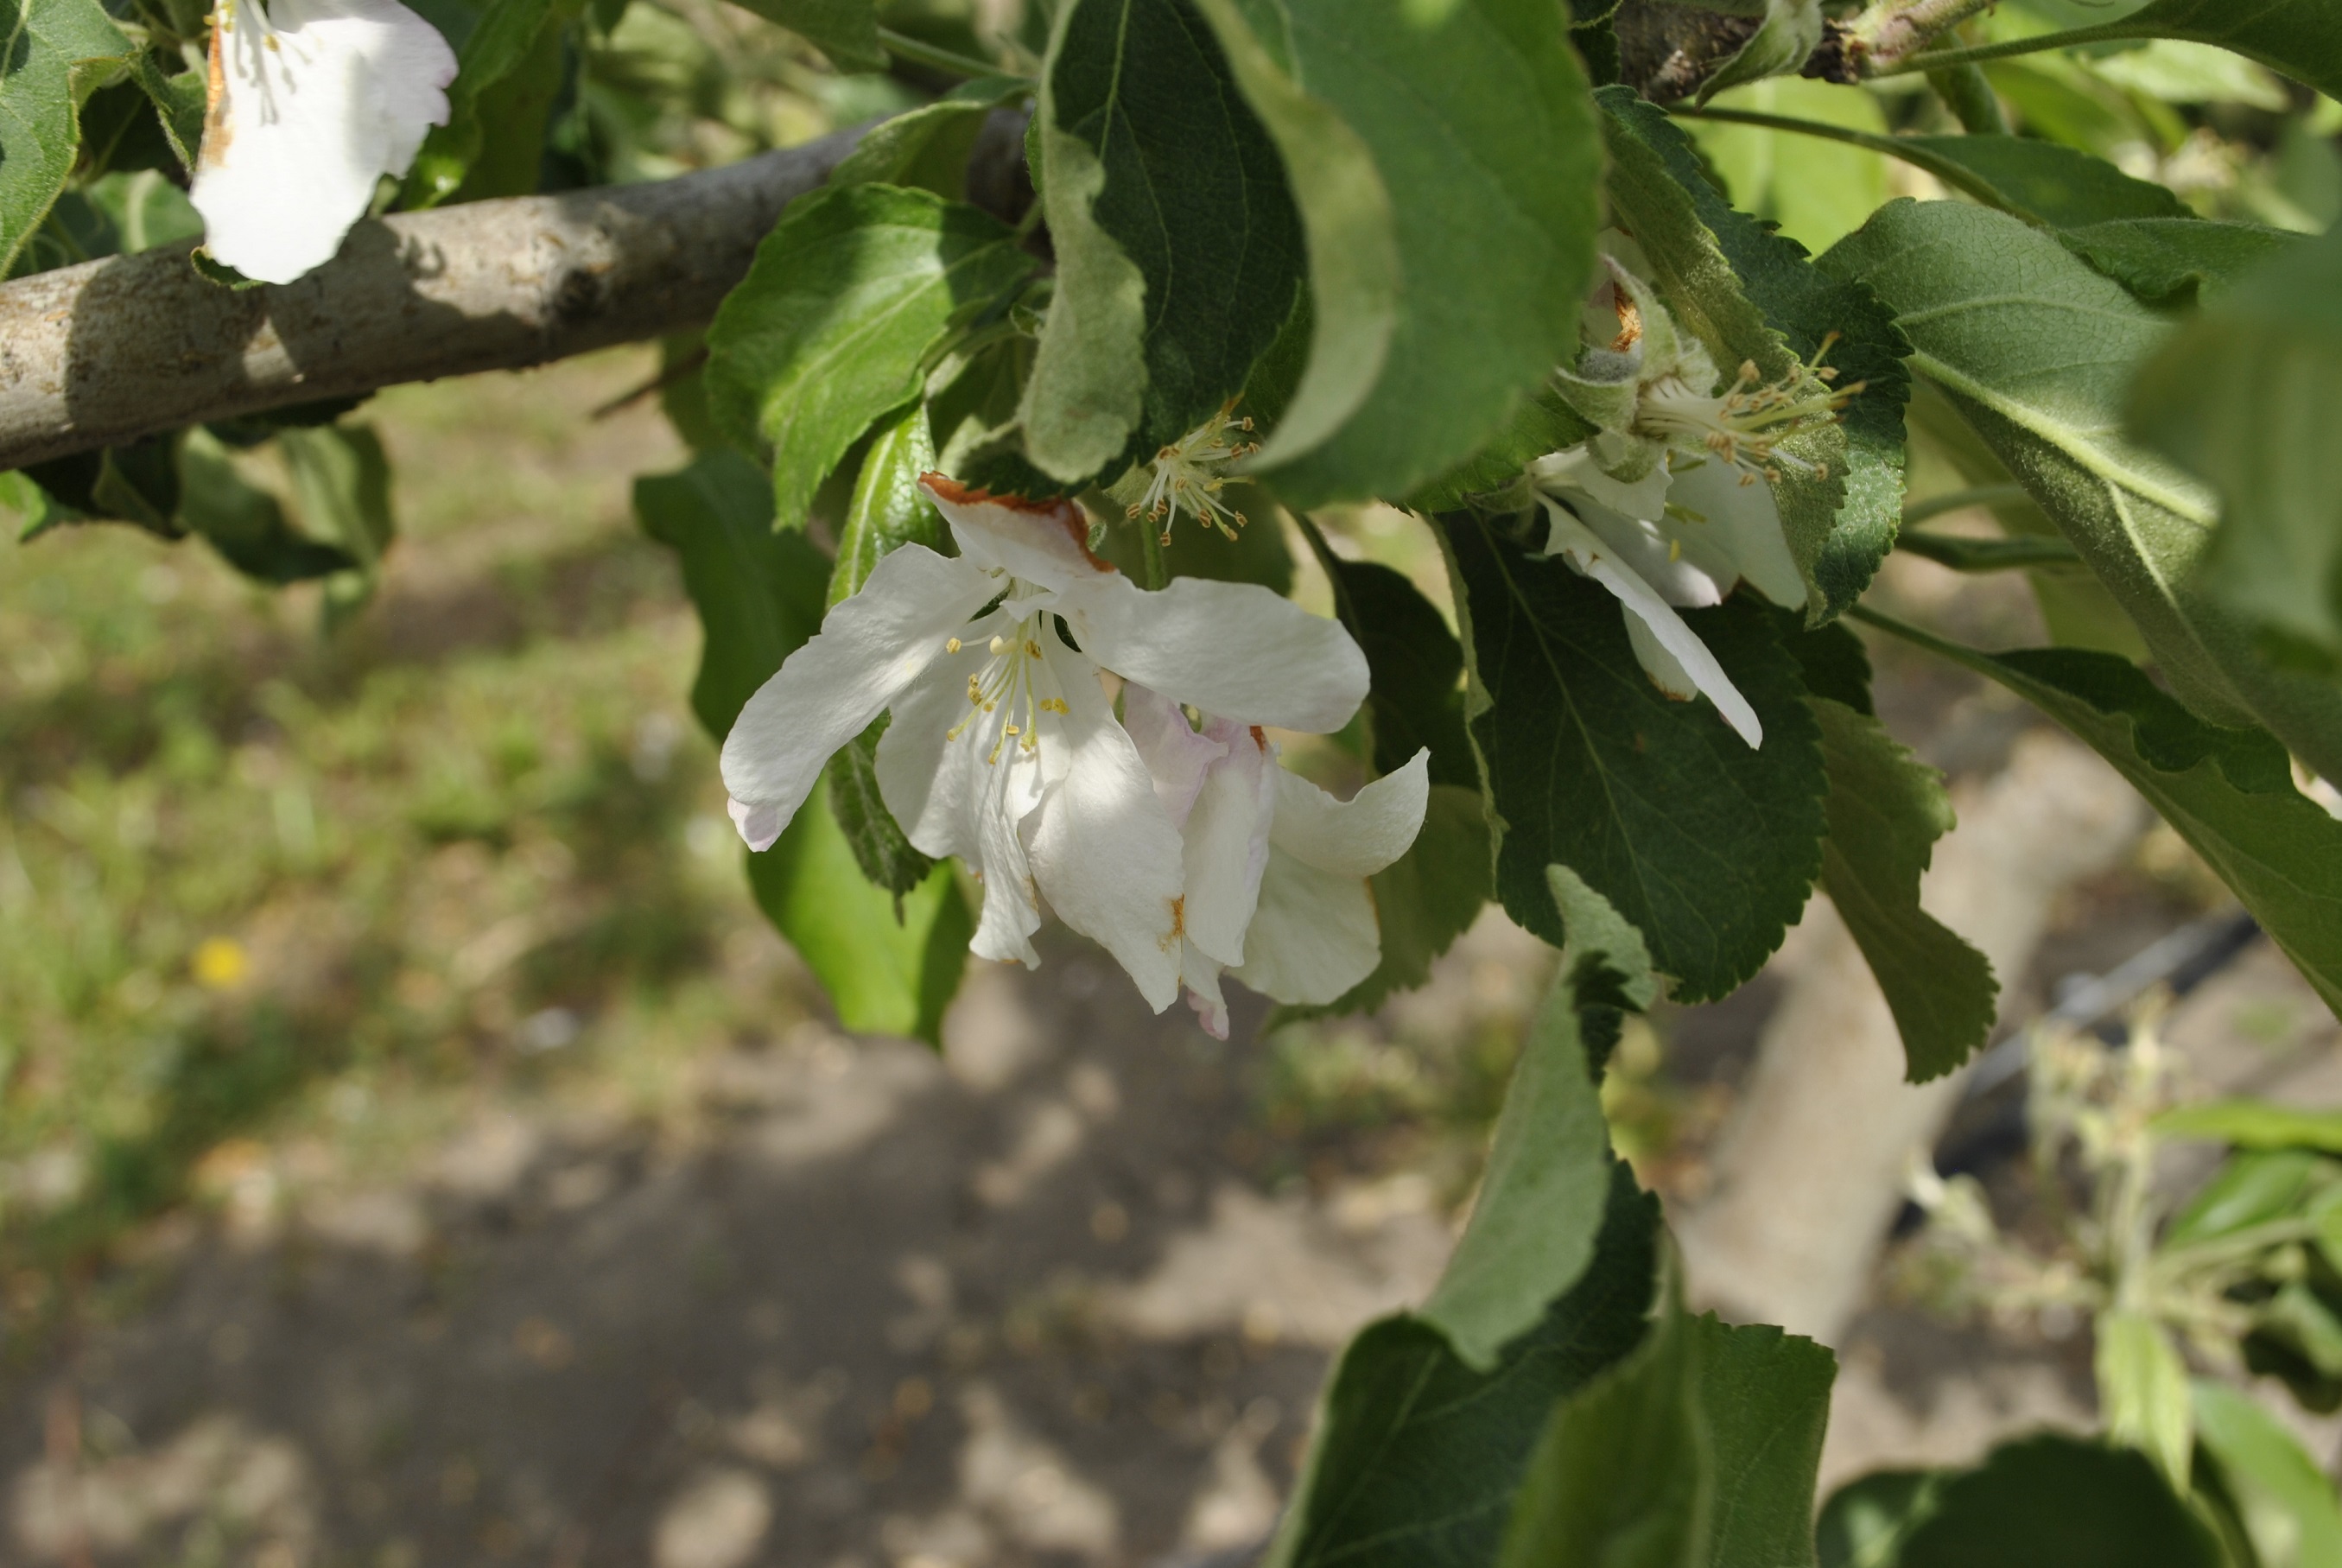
{"x": 1181, "y": 846}
{"x": 310, "y": 104}
{"x": 1671, "y": 503}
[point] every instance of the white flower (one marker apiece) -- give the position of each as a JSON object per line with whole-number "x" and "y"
{"x": 1276, "y": 867}
{"x": 311, "y": 102}
{"x": 1003, "y": 747}
{"x": 1670, "y": 504}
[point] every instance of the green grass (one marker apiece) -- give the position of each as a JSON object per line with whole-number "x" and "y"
{"x": 412, "y": 858}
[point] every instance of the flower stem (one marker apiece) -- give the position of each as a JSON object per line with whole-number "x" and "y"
{"x": 903, "y": 46}
{"x": 1937, "y": 59}
{"x": 1150, "y": 540}
{"x": 1956, "y": 176}
{"x": 1970, "y": 99}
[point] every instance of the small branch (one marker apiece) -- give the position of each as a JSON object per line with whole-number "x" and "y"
{"x": 109, "y": 351}
{"x": 903, "y": 46}
{"x": 1892, "y": 31}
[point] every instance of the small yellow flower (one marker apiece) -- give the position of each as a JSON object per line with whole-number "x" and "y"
{"x": 220, "y": 964}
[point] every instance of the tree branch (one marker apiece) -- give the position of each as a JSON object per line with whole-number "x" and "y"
{"x": 103, "y": 353}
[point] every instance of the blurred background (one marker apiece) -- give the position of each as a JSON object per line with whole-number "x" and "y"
{"x": 416, "y": 1148}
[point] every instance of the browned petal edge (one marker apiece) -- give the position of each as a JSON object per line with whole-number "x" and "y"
{"x": 1063, "y": 510}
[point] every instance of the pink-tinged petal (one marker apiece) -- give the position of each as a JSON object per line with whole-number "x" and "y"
{"x": 311, "y": 102}
{"x": 1742, "y": 529}
{"x": 1574, "y": 540}
{"x": 1231, "y": 649}
{"x": 1201, "y": 977}
{"x": 868, "y": 649}
{"x": 1354, "y": 837}
{"x": 1314, "y": 936}
{"x": 1103, "y": 852}
{"x": 1225, "y": 842}
{"x": 760, "y": 826}
{"x": 1171, "y": 748}
{"x": 1044, "y": 542}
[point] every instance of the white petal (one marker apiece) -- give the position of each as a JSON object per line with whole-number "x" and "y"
{"x": 936, "y": 786}
{"x": 1743, "y": 526}
{"x": 1233, "y": 649}
{"x": 1225, "y": 842}
{"x": 1698, "y": 664}
{"x": 1314, "y": 936}
{"x": 1359, "y": 836}
{"x": 868, "y": 649}
{"x": 1575, "y": 469}
{"x": 1104, "y": 852}
{"x": 313, "y": 102}
{"x": 1667, "y": 671}
{"x": 1012, "y": 896}
{"x": 1645, "y": 550}
{"x": 1201, "y": 975}
{"x": 1173, "y": 752}
{"x": 1046, "y": 543}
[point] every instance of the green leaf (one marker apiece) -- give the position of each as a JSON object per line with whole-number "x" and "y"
{"x": 2075, "y": 605}
{"x": 2175, "y": 260}
{"x": 1541, "y": 1200}
{"x": 2229, "y": 793}
{"x": 1542, "y": 423}
{"x": 928, "y": 147}
{"x": 758, "y": 594}
{"x": 845, "y": 30}
{"x": 1782, "y": 43}
{"x": 2302, "y": 38}
{"x": 1708, "y": 847}
{"x": 341, "y": 485}
{"x": 1840, "y": 531}
{"x": 2254, "y": 1124}
{"x": 890, "y": 965}
{"x": 1424, "y": 143}
{"x": 2040, "y": 373}
{"x": 2045, "y": 1502}
{"x": 889, "y": 510}
{"x": 1766, "y": 1397}
{"x": 1417, "y": 1456}
{"x": 759, "y": 597}
{"x": 508, "y": 73}
{"x": 2248, "y": 397}
{"x": 2041, "y": 181}
{"x": 58, "y": 52}
{"x": 1193, "y": 196}
{"x": 1623, "y": 1476}
{"x": 1817, "y": 191}
{"x": 2143, "y": 1391}
{"x": 850, "y": 298}
{"x": 2287, "y": 1503}
{"x": 1887, "y": 810}
{"x": 2252, "y": 1189}
{"x": 244, "y": 523}
{"x": 137, "y": 484}
{"x": 1087, "y": 391}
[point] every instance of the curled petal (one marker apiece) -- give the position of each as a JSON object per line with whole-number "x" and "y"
{"x": 1647, "y": 551}
{"x": 1104, "y": 852}
{"x": 869, "y": 648}
{"x": 1201, "y": 975}
{"x": 760, "y": 826}
{"x": 312, "y": 103}
{"x": 1314, "y": 936}
{"x": 1354, "y": 838}
{"x": 1234, "y": 649}
{"x": 1173, "y": 751}
{"x": 1571, "y": 539}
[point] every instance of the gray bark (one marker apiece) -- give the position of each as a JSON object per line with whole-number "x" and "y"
{"x": 103, "y": 353}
